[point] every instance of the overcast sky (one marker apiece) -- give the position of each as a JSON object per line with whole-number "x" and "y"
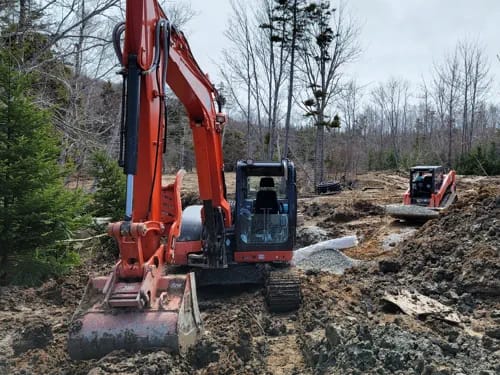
{"x": 399, "y": 38}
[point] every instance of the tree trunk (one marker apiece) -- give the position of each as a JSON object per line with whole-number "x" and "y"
{"x": 290, "y": 79}
{"x": 79, "y": 45}
{"x": 319, "y": 153}
{"x": 473, "y": 102}
{"x": 270, "y": 126}
{"x": 249, "y": 92}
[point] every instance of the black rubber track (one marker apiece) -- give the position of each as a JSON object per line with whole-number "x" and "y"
{"x": 283, "y": 291}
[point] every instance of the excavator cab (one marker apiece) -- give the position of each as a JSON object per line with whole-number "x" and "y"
{"x": 266, "y": 206}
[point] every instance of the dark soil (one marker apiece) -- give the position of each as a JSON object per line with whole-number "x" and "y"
{"x": 343, "y": 326}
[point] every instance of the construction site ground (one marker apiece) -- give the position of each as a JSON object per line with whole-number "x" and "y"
{"x": 345, "y": 324}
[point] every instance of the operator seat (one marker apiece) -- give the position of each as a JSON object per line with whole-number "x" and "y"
{"x": 427, "y": 184}
{"x": 266, "y": 201}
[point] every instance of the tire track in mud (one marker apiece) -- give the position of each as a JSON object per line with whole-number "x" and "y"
{"x": 284, "y": 354}
{"x": 240, "y": 329}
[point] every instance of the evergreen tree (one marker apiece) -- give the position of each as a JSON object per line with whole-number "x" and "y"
{"x": 481, "y": 160}
{"x": 36, "y": 210}
{"x": 109, "y": 197}
{"x": 234, "y": 147}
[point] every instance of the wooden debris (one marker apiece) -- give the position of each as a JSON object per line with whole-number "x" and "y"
{"x": 418, "y": 305}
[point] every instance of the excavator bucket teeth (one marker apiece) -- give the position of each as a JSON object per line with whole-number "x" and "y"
{"x": 411, "y": 212}
{"x": 172, "y": 323}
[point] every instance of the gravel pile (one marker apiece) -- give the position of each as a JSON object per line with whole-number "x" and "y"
{"x": 325, "y": 256}
{"x": 311, "y": 234}
{"x": 329, "y": 260}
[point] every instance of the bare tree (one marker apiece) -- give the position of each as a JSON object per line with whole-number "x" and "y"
{"x": 428, "y": 112}
{"x": 447, "y": 84}
{"x": 392, "y": 99}
{"x": 240, "y": 71}
{"x": 466, "y": 54}
{"x": 395, "y": 128}
{"x": 256, "y": 65}
{"x": 180, "y": 13}
{"x": 291, "y": 20}
{"x": 480, "y": 86}
{"x": 274, "y": 57}
{"x": 350, "y": 102}
{"x": 330, "y": 45}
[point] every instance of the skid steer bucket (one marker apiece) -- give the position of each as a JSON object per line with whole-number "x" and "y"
{"x": 411, "y": 212}
{"x": 171, "y": 323}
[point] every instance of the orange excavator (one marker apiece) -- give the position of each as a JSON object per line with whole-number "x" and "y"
{"x": 142, "y": 304}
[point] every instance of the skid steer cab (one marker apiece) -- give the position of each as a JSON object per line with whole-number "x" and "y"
{"x": 266, "y": 211}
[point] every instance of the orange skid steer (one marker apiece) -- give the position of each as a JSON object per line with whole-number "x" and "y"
{"x": 431, "y": 190}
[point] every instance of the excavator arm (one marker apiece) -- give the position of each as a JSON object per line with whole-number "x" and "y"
{"x": 174, "y": 63}
{"x": 156, "y": 54}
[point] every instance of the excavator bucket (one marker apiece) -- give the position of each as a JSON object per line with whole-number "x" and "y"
{"x": 100, "y": 325}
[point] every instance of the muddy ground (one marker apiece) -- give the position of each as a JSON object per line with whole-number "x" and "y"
{"x": 344, "y": 325}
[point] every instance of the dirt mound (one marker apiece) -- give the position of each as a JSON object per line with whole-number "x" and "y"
{"x": 453, "y": 259}
{"x": 341, "y": 213}
{"x": 368, "y": 208}
{"x": 206, "y": 351}
{"x": 460, "y": 252}
{"x": 234, "y": 339}
{"x": 355, "y": 348}
{"x": 121, "y": 362}
{"x": 346, "y": 330}
{"x": 317, "y": 209}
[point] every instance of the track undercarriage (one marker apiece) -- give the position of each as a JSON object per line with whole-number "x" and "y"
{"x": 282, "y": 290}
{"x": 281, "y": 283}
